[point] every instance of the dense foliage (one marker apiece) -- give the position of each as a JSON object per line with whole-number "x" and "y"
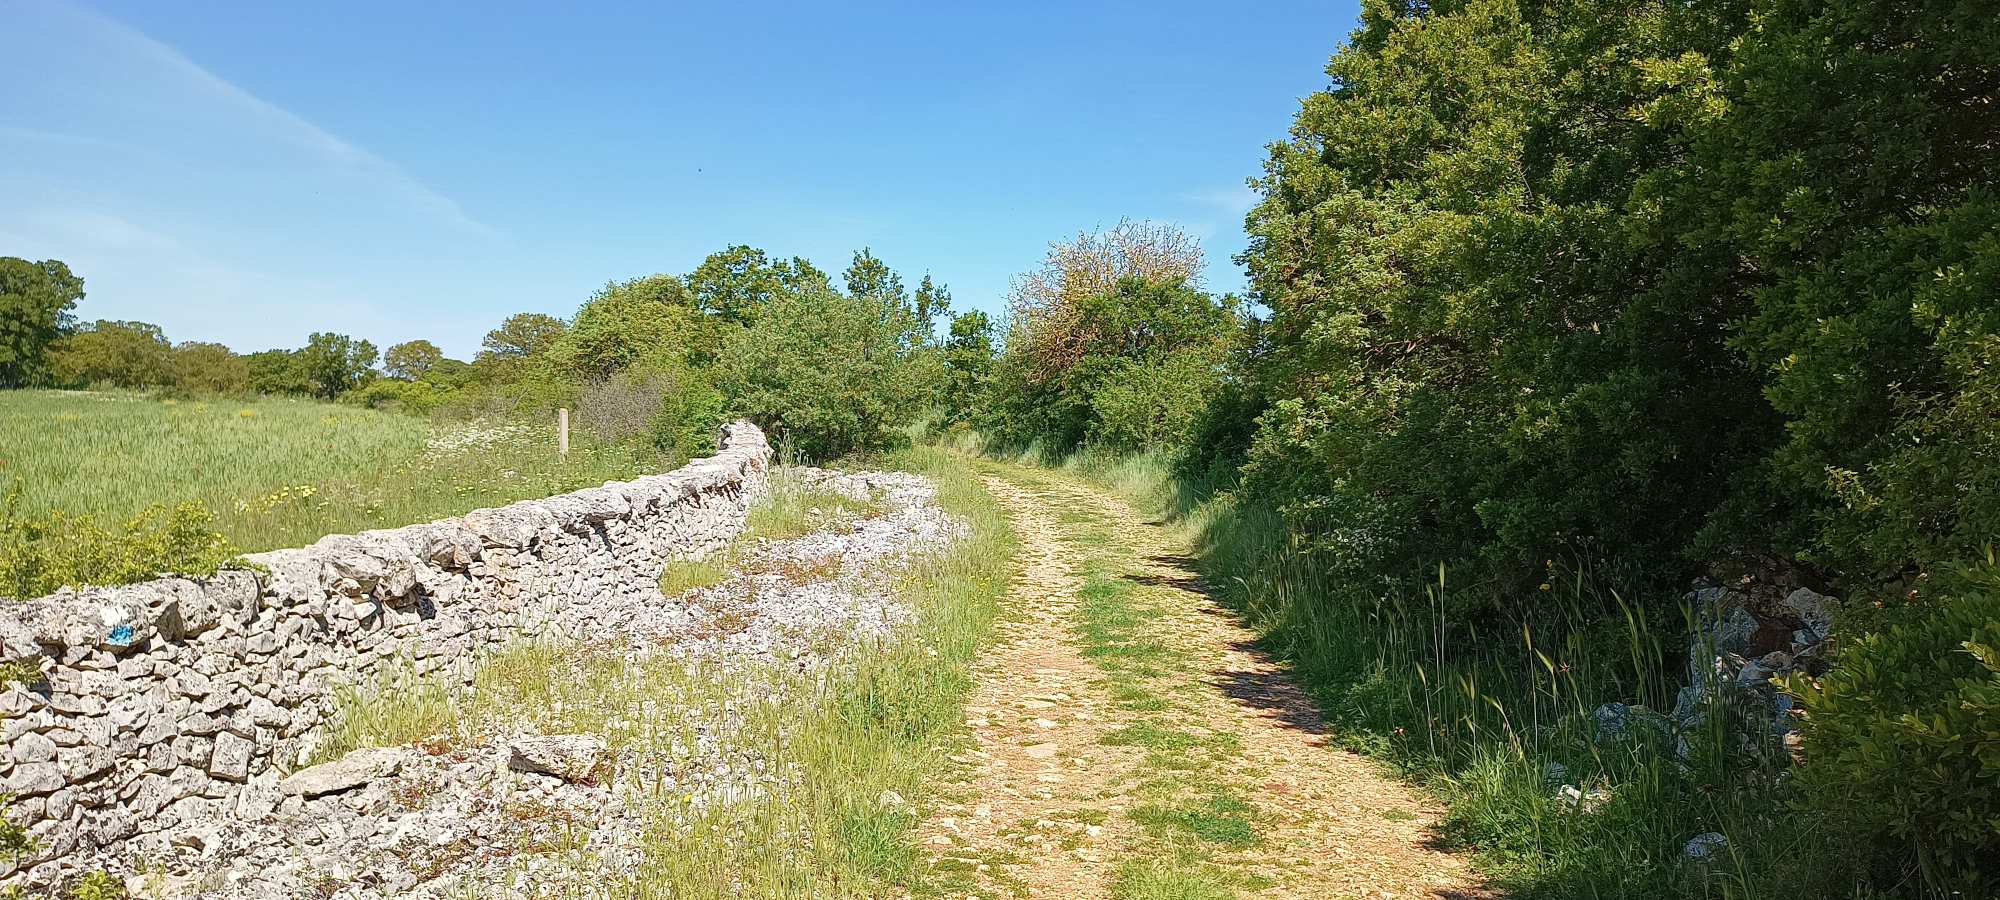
{"x": 1651, "y": 291}
{"x": 35, "y": 303}
{"x": 39, "y": 554}
{"x": 1113, "y": 342}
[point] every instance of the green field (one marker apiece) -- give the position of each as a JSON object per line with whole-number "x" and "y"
{"x": 281, "y": 473}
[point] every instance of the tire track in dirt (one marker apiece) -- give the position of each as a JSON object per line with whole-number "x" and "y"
{"x": 1041, "y": 810}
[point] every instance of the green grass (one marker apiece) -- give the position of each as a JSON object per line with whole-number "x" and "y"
{"x": 684, "y": 575}
{"x": 1221, "y": 818}
{"x": 793, "y": 508}
{"x": 277, "y": 472}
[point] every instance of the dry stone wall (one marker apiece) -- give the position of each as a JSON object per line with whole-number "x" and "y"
{"x": 181, "y": 699}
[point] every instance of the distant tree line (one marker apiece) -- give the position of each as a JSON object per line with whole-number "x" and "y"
{"x": 829, "y": 369}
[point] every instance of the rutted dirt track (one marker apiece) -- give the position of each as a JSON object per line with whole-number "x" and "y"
{"x": 1132, "y": 741}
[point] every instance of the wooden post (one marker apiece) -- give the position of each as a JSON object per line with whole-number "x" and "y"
{"x": 562, "y": 430}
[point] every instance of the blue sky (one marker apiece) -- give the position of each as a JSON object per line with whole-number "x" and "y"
{"x": 252, "y": 172}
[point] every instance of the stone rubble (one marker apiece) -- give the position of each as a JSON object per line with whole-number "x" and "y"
{"x": 1742, "y": 641}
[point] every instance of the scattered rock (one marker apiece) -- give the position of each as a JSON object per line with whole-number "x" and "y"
{"x": 570, "y": 757}
{"x": 1705, "y": 847}
{"x": 357, "y": 768}
{"x": 1584, "y": 801}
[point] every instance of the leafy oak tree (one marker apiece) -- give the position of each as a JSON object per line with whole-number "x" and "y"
{"x": 35, "y": 303}
{"x": 333, "y": 364}
{"x": 411, "y": 360}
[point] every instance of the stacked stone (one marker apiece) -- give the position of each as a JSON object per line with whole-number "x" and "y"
{"x": 180, "y": 700}
{"x": 1742, "y": 640}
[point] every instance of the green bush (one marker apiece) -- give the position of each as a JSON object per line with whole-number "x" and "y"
{"x": 39, "y": 555}
{"x": 1130, "y": 365}
{"x": 690, "y": 419}
{"x": 826, "y": 374}
{"x": 1154, "y": 403}
{"x": 1902, "y": 740}
{"x": 415, "y": 397}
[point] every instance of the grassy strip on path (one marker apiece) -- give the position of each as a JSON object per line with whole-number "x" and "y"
{"x": 1229, "y": 793}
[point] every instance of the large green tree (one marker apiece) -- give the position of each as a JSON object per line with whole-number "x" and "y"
{"x": 642, "y": 320}
{"x": 825, "y": 373}
{"x": 209, "y": 368}
{"x": 35, "y": 303}
{"x": 968, "y": 365}
{"x": 735, "y": 283}
{"x": 411, "y": 360}
{"x": 333, "y": 364}
{"x": 521, "y": 335}
{"x": 1475, "y": 353}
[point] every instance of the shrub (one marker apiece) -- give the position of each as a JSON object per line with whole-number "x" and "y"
{"x": 1130, "y": 363}
{"x": 690, "y": 419}
{"x": 38, "y": 556}
{"x": 201, "y": 367}
{"x": 126, "y": 354}
{"x": 623, "y": 406}
{"x": 415, "y": 397}
{"x": 1902, "y": 740}
{"x": 826, "y": 374}
{"x": 1155, "y": 403}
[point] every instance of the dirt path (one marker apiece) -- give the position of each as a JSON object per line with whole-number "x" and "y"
{"x": 1132, "y": 742}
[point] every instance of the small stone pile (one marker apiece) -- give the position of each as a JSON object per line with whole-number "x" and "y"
{"x": 1743, "y": 640}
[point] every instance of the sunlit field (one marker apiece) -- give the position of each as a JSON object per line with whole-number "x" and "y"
{"x": 279, "y": 473}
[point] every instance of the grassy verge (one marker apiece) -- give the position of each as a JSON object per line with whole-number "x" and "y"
{"x": 861, "y": 746}
{"x": 1497, "y": 725}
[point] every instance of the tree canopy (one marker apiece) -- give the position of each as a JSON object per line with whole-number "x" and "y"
{"x": 35, "y": 303}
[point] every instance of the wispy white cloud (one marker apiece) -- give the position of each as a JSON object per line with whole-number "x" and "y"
{"x": 169, "y": 70}
{"x": 1233, "y": 201}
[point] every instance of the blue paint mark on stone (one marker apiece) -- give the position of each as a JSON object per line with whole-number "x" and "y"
{"x": 121, "y": 635}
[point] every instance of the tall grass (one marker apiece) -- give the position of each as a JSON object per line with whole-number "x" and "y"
{"x": 279, "y": 472}
{"x": 1498, "y": 722}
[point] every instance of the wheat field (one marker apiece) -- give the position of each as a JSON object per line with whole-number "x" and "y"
{"x": 280, "y": 472}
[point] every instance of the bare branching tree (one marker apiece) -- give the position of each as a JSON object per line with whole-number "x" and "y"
{"x": 1042, "y": 303}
